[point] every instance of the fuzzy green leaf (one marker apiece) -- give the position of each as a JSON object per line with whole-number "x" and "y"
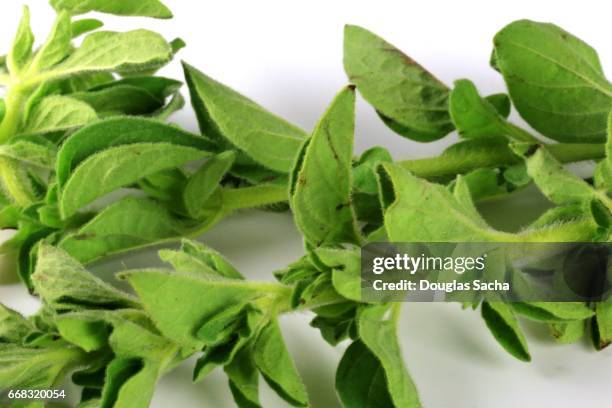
{"x": 603, "y": 171}
{"x": 346, "y": 270}
{"x": 428, "y": 212}
{"x": 127, "y": 224}
{"x": 21, "y": 49}
{"x": 29, "y": 153}
{"x": 119, "y": 132}
{"x": 205, "y": 182}
{"x": 129, "y": 52}
{"x": 570, "y": 332}
{"x": 476, "y": 117}
{"x": 58, "y": 112}
{"x": 84, "y": 26}
{"x": 225, "y": 115}
{"x": 57, "y": 46}
{"x": 244, "y": 379}
{"x": 378, "y": 332}
{"x": 144, "y": 8}
{"x": 321, "y": 184}
{"x": 36, "y": 368}
{"x": 120, "y": 100}
{"x": 64, "y": 284}
{"x": 196, "y": 258}
{"x": 13, "y": 326}
{"x": 118, "y": 167}
{"x": 504, "y": 326}
{"x": 411, "y": 101}
{"x": 277, "y": 367}
{"x": 603, "y": 324}
{"x": 360, "y": 379}
{"x": 163, "y": 293}
{"x": 553, "y": 311}
{"x": 555, "y": 81}
{"x": 558, "y": 184}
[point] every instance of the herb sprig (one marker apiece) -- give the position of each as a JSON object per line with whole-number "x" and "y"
{"x": 66, "y": 122}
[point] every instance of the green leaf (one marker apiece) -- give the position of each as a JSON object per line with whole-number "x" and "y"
{"x": 64, "y": 284}
{"x": 118, "y": 167}
{"x": 555, "y": 81}
{"x": 244, "y": 379}
{"x": 206, "y": 181}
{"x": 163, "y": 294}
{"x": 144, "y": 8}
{"x": 557, "y": 183}
{"x": 83, "y": 82}
{"x": 116, "y": 132}
{"x": 332, "y": 330}
{"x": 603, "y": 171}
{"x": 13, "y": 326}
{"x": 220, "y": 328}
{"x": 196, "y": 258}
{"x": 176, "y": 103}
{"x": 130, "y": 96}
{"x": 365, "y": 179}
{"x": 84, "y": 26}
{"x": 58, "y": 112}
{"x": 411, "y": 101}
{"x": 501, "y": 103}
{"x": 277, "y": 367}
{"x": 346, "y": 270}
{"x": 603, "y": 324}
{"x": 145, "y": 148}
{"x": 29, "y": 153}
{"x": 504, "y": 326}
{"x": 17, "y": 183}
{"x": 177, "y": 44}
{"x": 226, "y": 116}
{"x": 557, "y": 215}
{"x": 570, "y": 332}
{"x": 553, "y": 311}
{"x": 57, "y": 46}
{"x": 127, "y": 224}
{"x": 476, "y": 117}
{"x": 428, "y": 212}
{"x": 83, "y": 329}
{"x": 136, "y": 391}
{"x": 2, "y": 109}
{"x": 321, "y": 187}
{"x": 483, "y": 184}
{"x": 120, "y": 100}
{"x": 129, "y": 52}
{"x": 148, "y": 355}
{"x": 165, "y": 186}
{"x": 36, "y": 368}
{"x": 378, "y": 332}
{"x": 21, "y": 49}
{"x": 360, "y": 379}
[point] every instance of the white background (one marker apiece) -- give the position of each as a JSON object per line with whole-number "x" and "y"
{"x": 288, "y": 56}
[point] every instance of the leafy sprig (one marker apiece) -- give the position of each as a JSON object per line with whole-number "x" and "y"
{"x": 64, "y": 124}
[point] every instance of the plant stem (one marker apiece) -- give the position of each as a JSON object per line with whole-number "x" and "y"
{"x": 449, "y": 165}
{"x": 580, "y": 230}
{"x": 251, "y": 197}
{"x": 15, "y": 100}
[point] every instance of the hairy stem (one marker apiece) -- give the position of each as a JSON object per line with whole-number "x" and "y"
{"x": 15, "y": 101}
{"x": 445, "y": 166}
{"x": 251, "y": 197}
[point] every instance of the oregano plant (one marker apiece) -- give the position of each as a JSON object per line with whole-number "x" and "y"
{"x": 89, "y": 167}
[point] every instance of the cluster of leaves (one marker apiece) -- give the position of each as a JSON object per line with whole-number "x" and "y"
{"x": 81, "y": 122}
{"x": 248, "y": 157}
